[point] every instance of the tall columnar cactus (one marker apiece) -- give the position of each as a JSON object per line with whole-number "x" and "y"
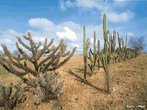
{"x": 113, "y": 42}
{"x": 122, "y": 50}
{"x": 105, "y": 34}
{"x": 105, "y": 55}
{"x": 108, "y": 53}
{"x": 119, "y": 41}
{"x": 39, "y": 66}
{"x": 94, "y": 43}
{"x": 98, "y": 54}
{"x": 86, "y": 44}
{"x": 105, "y": 31}
{"x": 103, "y": 59}
{"x": 107, "y": 43}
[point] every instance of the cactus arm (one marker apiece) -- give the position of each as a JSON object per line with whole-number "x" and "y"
{"x": 45, "y": 47}
{"x": 23, "y": 44}
{"x": 22, "y": 52}
{"x": 33, "y": 48}
{"x": 52, "y": 54}
{"x": 9, "y": 67}
{"x": 18, "y": 64}
{"x": 17, "y": 58}
{"x": 105, "y": 27}
{"x": 63, "y": 62}
{"x": 38, "y": 46}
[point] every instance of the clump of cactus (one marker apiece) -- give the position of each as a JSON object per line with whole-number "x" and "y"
{"x": 10, "y": 98}
{"x": 97, "y": 57}
{"x": 41, "y": 69}
{"x": 109, "y": 53}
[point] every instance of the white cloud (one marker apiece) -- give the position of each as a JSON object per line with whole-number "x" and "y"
{"x": 121, "y": 3}
{"x": 62, "y": 5}
{"x": 72, "y": 25}
{"x": 41, "y": 23}
{"x": 39, "y": 39}
{"x": 69, "y": 30}
{"x": 67, "y": 34}
{"x": 86, "y": 3}
{"x": 8, "y": 36}
{"x": 102, "y": 6}
{"x": 65, "y": 4}
{"x": 98, "y": 4}
{"x": 75, "y": 45}
{"x": 72, "y": 33}
{"x": 119, "y": 17}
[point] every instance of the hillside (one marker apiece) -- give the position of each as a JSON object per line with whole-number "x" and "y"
{"x": 128, "y": 84}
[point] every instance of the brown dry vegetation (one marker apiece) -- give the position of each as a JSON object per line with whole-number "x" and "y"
{"x": 128, "y": 85}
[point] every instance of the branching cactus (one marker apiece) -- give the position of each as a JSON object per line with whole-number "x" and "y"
{"x": 37, "y": 65}
{"x": 93, "y": 55}
{"x": 9, "y": 100}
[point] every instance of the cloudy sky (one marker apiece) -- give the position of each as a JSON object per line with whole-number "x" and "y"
{"x": 65, "y": 18}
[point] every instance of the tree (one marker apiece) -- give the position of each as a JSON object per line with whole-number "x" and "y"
{"x": 42, "y": 68}
{"x": 137, "y": 44}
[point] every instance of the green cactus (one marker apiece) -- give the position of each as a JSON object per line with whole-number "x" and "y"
{"x": 103, "y": 59}
{"x": 98, "y": 54}
{"x": 105, "y": 56}
{"x": 93, "y": 55}
{"x": 105, "y": 32}
{"x": 113, "y": 42}
{"x": 86, "y": 44}
{"x": 10, "y": 100}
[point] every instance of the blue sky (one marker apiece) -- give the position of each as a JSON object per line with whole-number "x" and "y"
{"x": 65, "y": 18}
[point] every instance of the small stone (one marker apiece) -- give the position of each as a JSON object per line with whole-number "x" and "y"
{"x": 76, "y": 99}
{"x": 113, "y": 89}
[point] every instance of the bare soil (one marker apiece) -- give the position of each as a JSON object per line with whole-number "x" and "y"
{"x": 126, "y": 80}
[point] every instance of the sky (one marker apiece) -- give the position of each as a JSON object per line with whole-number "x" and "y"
{"x": 65, "y": 18}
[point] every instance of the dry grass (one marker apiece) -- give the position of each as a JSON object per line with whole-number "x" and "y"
{"x": 128, "y": 84}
